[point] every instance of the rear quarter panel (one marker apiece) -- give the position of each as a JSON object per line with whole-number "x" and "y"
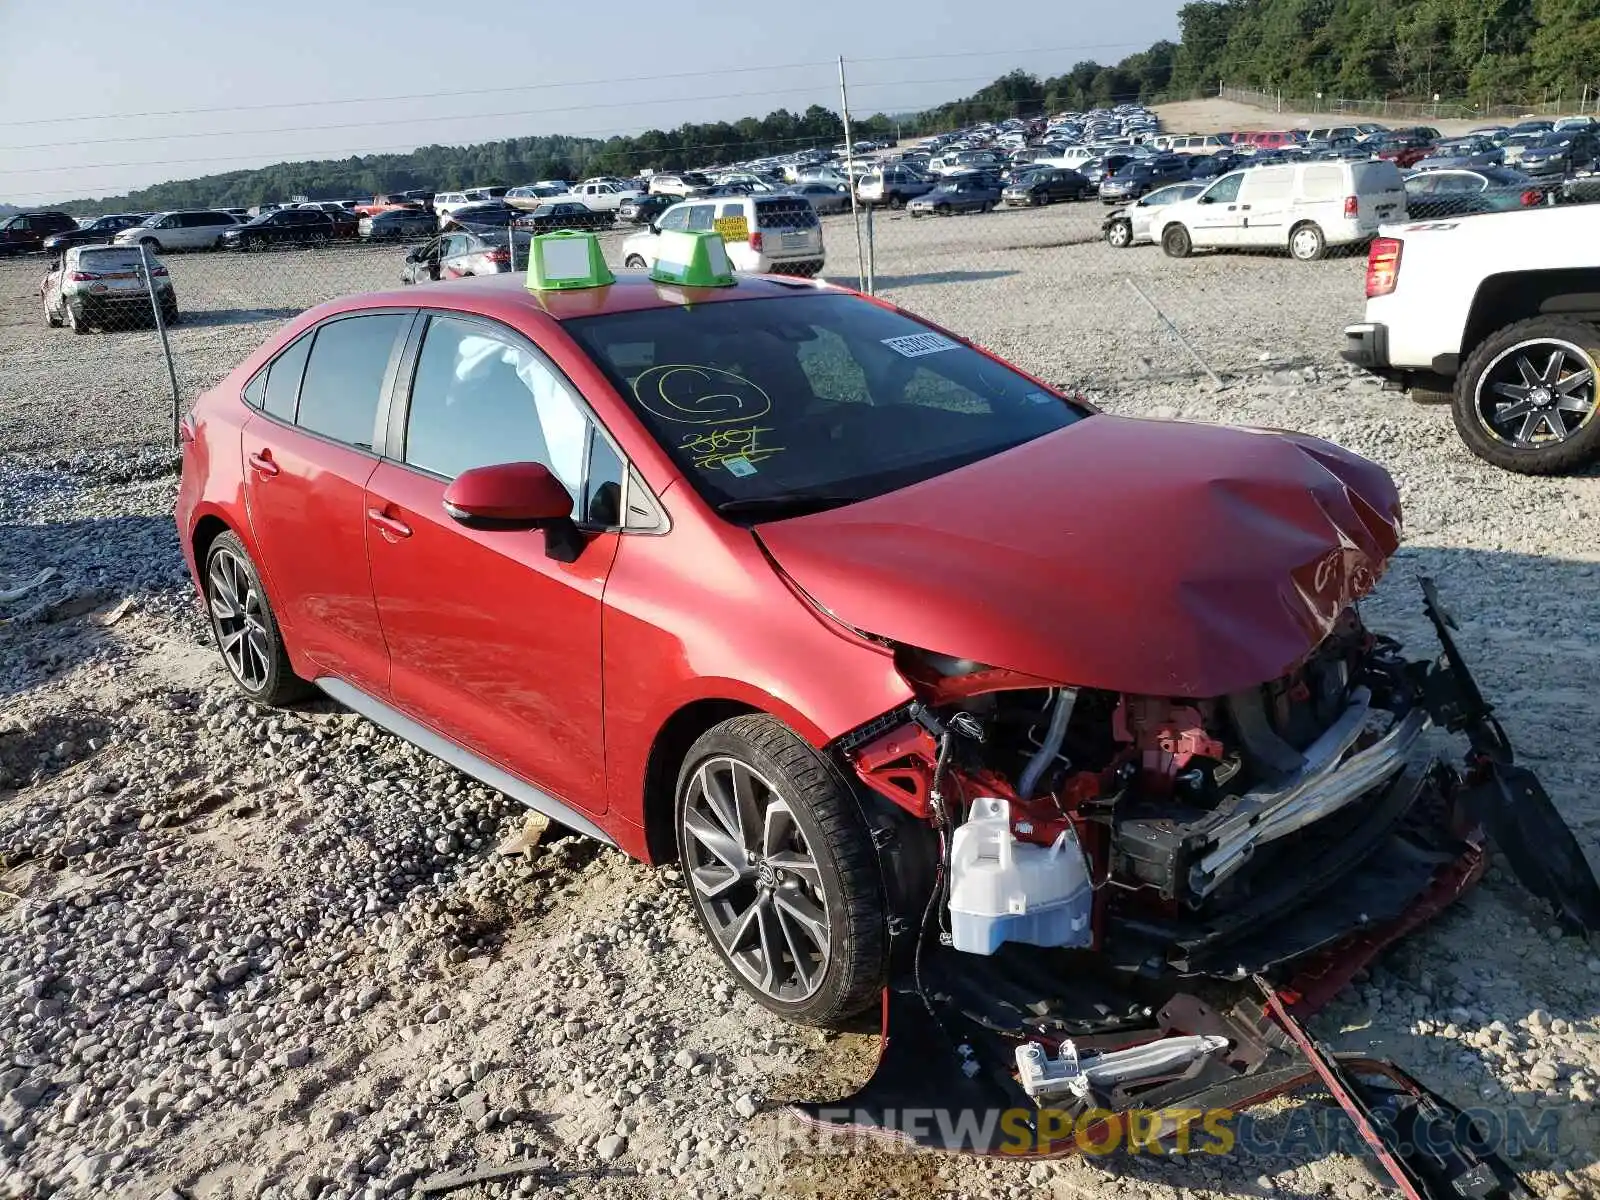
{"x": 1444, "y": 263}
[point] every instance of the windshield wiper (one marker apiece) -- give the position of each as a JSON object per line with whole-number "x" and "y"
{"x": 788, "y": 504}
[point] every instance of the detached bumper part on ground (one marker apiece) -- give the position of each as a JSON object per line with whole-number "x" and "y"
{"x": 1022, "y": 1047}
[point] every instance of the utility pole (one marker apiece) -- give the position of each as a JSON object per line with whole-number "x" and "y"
{"x": 850, "y": 182}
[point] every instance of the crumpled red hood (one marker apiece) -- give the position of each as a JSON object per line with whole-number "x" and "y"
{"x": 1153, "y": 557}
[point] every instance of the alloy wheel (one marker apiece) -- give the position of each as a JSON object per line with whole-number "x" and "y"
{"x": 237, "y": 616}
{"x": 755, "y": 879}
{"x": 1537, "y": 393}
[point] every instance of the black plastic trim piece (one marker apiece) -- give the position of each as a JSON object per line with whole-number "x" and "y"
{"x": 481, "y": 769}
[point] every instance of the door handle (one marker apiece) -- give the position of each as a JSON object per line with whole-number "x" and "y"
{"x": 1244, "y": 208}
{"x": 263, "y": 463}
{"x": 392, "y": 527}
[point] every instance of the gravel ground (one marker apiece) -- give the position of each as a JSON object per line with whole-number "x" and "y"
{"x": 257, "y": 954}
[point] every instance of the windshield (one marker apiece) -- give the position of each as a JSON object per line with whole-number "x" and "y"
{"x": 814, "y": 396}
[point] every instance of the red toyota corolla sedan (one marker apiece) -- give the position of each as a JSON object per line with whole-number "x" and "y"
{"x": 870, "y": 631}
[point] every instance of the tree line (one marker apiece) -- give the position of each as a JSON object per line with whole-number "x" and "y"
{"x": 1494, "y": 51}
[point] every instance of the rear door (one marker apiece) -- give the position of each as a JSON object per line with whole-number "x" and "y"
{"x": 492, "y": 641}
{"x": 1380, "y": 191}
{"x": 308, "y": 454}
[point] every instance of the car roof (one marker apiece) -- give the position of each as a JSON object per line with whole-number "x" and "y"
{"x": 507, "y": 296}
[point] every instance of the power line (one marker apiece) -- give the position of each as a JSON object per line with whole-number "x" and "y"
{"x": 610, "y": 81}
{"x": 494, "y": 116}
{"x": 333, "y": 154}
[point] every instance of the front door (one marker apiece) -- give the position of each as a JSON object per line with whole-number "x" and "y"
{"x": 308, "y": 456}
{"x": 1217, "y": 219}
{"x": 493, "y": 642}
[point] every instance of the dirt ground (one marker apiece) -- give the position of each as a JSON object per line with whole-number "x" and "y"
{"x": 1214, "y": 115}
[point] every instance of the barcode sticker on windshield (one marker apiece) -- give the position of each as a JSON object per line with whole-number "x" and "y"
{"x": 915, "y": 345}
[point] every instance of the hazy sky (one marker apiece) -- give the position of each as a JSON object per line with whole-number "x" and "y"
{"x": 307, "y": 78}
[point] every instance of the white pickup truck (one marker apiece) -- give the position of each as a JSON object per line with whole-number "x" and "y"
{"x": 602, "y": 195}
{"x": 1501, "y": 311}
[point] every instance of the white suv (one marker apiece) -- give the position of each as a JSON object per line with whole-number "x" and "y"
{"x": 780, "y": 235}
{"x": 200, "y": 229}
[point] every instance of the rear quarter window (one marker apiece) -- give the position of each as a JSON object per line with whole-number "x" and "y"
{"x": 1322, "y": 183}
{"x": 785, "y": 214}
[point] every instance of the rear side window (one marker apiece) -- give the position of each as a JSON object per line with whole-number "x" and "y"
{"x": 785, "y": 214}
{"x": 282, "y": 379}
{"x": 1270, "y": 183}
{"x": 344, "y": 377}
{"x": 1323, "y": 183}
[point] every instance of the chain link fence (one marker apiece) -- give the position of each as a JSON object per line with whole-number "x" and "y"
{"x": 1090, "y": 293}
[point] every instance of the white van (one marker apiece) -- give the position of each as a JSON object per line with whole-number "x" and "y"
{"x": 777, "y": 234}
{"x": 1195, "y": 143}
{"x": 1301, "y": 207}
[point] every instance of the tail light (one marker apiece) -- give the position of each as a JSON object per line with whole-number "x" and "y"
{"x": 755, "y": 240}
{"x": 159, "y": 272}
{"x": 1383, "y": 266}
{"x": 499, "y": 256}
{"x": 1352, "y": 206}
{"x": 1532, "y": 197}
{"x": 84, "y": 276}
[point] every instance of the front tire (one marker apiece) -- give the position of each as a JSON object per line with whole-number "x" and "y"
{"x": 1175, "y": 242}
{"x": 782, "y": 871}
{"x": 1120, "y": 235}
{"x": 1306, "y": 243}
{"x": 1526, "y": 398}
{"x": 634, "y": 262}
{"x": 244, "y": 626}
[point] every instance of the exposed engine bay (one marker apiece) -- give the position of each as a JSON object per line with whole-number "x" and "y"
{"x": 1109, "y": 898}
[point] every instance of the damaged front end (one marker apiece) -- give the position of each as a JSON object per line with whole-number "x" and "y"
{"x": 1113, "y": 903}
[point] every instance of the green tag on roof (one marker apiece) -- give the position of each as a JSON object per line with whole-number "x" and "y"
{"x": 692, "y": 259}
{"x": 566, "y": 259}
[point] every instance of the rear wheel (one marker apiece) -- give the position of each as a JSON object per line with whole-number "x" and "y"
{"x": 244, "y": 627}
{"x": 634, "y": 262}
{"x": 782, "y": 871}
{"x": 51, "y": 317}
{"x": 1306, "y": 243}
{"x": 1175, "y": 242}
{"x": 1526, "y": 398}
{"x": 1120, "y": 235}
{"x": 76, "y": 322}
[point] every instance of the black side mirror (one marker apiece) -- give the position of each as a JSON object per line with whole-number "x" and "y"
{"x": 1203, "y": 199}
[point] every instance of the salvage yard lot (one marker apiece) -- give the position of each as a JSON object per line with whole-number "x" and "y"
{"x": 256, "y": 953}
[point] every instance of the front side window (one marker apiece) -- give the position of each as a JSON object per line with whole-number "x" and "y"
{"x": 344, "y": 377}
{"x": 701, "y": 217}
{"x": 1226, "y": 189}
{"x": 480, "y": 398}
{"x": 677, "y": 218}
{"x": 812, "y": 396}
